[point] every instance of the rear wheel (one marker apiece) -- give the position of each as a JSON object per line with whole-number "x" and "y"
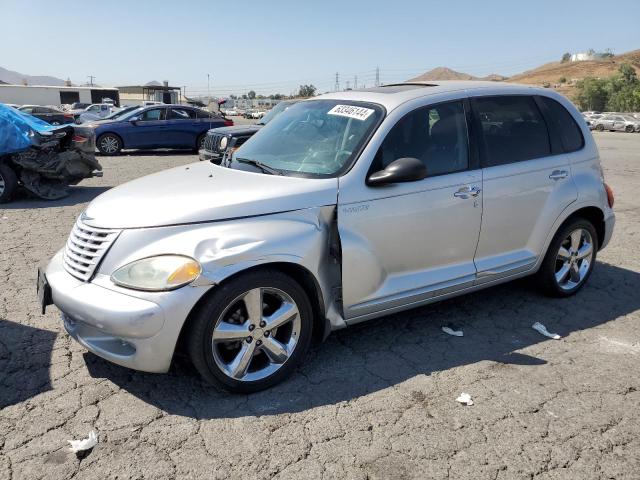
{"x": 600, "y": 128}
{"x": 252, "y": 332}
{"x": 109, "y": 144}
{"x": 570, "y": 259}
{"x": 8, "y": 183}
{"x": 628, "y": 128}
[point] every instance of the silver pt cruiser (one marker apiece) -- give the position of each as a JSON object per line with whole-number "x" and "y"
{"x": 346, "y": 207}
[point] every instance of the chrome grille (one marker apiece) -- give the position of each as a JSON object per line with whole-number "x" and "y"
{"x": 212, "y": 142}
{"x": 85, "y": 248}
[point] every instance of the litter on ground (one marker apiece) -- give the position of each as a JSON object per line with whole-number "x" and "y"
{"x": 465, "y": 399}
{"x": 84, "y": 444}
{"x": 538, "y": 327}
{"x": 453, "y": 330}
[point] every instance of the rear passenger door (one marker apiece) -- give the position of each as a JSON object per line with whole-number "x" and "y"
{"x": 526, "y": 183}
{"x": 182, "y": 126}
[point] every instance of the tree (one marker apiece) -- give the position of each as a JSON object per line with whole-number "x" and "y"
{"x": 591, "y": 94}
{"x": 251, "y": 94}
{"x": 307, "y": 91}
{"x": 562, "y": 80}
{"x": 566, "y": 57}
{"x": 628, "y": 74}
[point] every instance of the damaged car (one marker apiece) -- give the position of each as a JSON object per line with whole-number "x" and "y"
{"x": 43, "y": 159}
{"x": 346, "y": 207}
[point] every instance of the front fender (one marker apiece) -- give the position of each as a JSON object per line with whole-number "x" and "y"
{"x": 226, "y": 248}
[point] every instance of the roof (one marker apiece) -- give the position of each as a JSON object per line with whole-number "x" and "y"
{"x": 393, "y": 95}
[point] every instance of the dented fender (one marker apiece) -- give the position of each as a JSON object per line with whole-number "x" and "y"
{"x": 226, "y": 248}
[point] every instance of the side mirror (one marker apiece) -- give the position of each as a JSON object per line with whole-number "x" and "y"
{"x": 134, "y": 120}
{"x": 401, "y": 170}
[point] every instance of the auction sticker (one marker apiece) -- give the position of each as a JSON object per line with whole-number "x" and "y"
{"x": 359, "y": 113}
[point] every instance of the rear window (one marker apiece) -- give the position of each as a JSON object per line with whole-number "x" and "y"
{"x": 204, "y": 114}
{"x": 513, "y": 129}
{"x": 569, "y": 131}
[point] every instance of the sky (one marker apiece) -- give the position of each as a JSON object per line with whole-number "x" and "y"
{"x": 274, "y": 46}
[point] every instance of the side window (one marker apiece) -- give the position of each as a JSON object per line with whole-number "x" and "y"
{"x": 512, "y": 128}
{"x": 152, "y": 115}
{"x": 203, "y": 114}
{"x": 27, "y": 109}
{"x": 181, "y": 114}
{"x": 569, "y": 131}
{"x": 436, "y": 135}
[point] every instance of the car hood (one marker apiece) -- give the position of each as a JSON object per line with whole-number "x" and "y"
{"x": 236, "y": 129}
{"x": 204, "y": 192}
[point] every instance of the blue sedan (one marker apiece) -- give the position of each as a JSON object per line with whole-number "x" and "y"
{"x": 165, "y": 126}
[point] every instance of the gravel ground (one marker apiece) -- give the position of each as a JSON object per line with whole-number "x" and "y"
{"x": 373, "y": 401}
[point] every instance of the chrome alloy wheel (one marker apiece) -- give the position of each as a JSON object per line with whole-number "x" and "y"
{"x": 574, "y": 259}
{"x": 109, "y": 144}
{"x": 256, "y": 334}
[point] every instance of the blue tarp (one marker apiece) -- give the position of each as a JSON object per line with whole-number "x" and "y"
{"x": 16, "y": 129}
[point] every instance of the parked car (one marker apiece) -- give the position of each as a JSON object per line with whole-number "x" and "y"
{"x": 50, "y": 115}
{"x": 258, "y": 114}
{"x": 42, "y": 159}
{"x": 166, "y": 126}
{"x": 95, "y": 111}
{"x": 77, "y": 106}
{"x": 220, "y": 141}
{"x": 616, "y": 122}
{"x": 346, "y": 207}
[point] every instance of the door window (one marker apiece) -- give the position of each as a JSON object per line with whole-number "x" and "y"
{"x": 152, "y": 115}
{"x": 181, "y": 114}
{"x": 569, "y": 131}
{"x": 513, "y": 129}
{"x": 435, "y": 135}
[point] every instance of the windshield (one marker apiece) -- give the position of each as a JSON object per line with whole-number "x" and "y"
{"x": 313, "y": 138}
{"x": 273, "y": 113}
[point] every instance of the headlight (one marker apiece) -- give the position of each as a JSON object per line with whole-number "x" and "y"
{"x": 223, "y": 143}
{"x": 164, "y": 272}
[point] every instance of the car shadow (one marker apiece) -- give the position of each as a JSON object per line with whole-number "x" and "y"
{"x": 376, "y": 355}
{"x": 77, "y": 194}
{"x": 25, "y": 359}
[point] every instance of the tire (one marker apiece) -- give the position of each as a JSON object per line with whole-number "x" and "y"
{"x": 200, "y": 142}
{"x": 600, "y": 128}
{"x": 8, "y": 183}
{"x": 628, "y": 129}
{"x": 216, "y": 360}
{"x": 109, "y": 144}
{"x": 553, "y": 277}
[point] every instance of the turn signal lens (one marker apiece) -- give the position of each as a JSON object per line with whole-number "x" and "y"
{"x": 156, "y": 274}
{"x": 610, "y": 198}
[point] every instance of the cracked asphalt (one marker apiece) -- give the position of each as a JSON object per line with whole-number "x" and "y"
{"x": 374, "y": 401}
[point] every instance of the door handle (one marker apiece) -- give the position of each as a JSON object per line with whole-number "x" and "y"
{"x": 466, "y": 192}
{"x": 558, "y": 174}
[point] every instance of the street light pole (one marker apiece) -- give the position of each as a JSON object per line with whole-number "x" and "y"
{"x": 208, "y": 90}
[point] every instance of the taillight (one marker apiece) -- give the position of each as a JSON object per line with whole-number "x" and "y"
{"x": 228, "y": 122}
{"x": 610, "y": 198}
{"x": 67, "y": 115}
{"x": 79, "y": 138}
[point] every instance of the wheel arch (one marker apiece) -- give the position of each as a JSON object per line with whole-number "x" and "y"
{"x": 594, "y": 215}
{"x": 304, "y": 277}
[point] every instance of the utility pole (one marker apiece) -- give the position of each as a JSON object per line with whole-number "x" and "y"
{"x": 208, "y": 90}
{"x": 90, "y": 77}
{"x": 184, "y": 92}
{"x": 348, "y": 85}
{"x": 337, "y": 87}
{"x": 377, "y": 76}
{"x": 355, "y": 82}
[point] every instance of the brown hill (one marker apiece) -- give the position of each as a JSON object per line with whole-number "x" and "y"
{"x": 442, "y": 73}
{"x": 550, "y": 74}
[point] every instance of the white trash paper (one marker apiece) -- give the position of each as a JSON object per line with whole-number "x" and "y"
{"x": 538, "y": 327}
{"x": 84, "y": 444}
{"x": 451, "y": 330}
{"x": 465, "y": 399}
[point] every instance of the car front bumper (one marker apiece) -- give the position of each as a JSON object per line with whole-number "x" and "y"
{"x": 121, "y": 327}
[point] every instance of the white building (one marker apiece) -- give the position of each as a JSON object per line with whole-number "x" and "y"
{"x": 590, "y": 55}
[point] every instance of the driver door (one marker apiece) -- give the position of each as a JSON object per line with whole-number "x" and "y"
{"x": 406, "y": 243}
{"x": 149, "y": 131}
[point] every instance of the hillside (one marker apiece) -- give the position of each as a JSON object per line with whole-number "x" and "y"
{"x": 444, "y": 73}
{"x": 15, "y": 78}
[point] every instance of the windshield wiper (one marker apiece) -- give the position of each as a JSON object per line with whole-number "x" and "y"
{"x": 265, "y": 168}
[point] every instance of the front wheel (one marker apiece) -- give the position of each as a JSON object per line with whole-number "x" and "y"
{"x": 109, "y": 144}
{"x": 628, "y": 128}
{"x": 252, "y": 332}
{"x": 600, "y": 128}
{"x": 569, "y": 260}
